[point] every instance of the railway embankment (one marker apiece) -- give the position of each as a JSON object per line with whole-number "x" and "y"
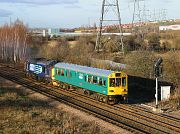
{"x": 24, "y": 110}
{"x": 131, "y": 117}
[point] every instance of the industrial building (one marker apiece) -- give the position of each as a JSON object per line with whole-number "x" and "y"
{"x": 169, "y": 27}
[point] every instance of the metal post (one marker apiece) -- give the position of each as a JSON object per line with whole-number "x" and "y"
{"x": 157, "y": 74}
{"x": 156, "y": 95}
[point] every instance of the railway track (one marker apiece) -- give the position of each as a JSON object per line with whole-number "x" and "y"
{"x": 129, "y": 117}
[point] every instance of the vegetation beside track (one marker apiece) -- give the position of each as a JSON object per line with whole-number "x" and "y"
{"x": 118, "y": 117}
{"x": 140, "y": 54}
{"x": 21, "y": 114}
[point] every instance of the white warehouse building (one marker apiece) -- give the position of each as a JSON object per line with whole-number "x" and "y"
{"x": 169, "y": 27}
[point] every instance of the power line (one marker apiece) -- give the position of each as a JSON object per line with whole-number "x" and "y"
{"x": 139, "y": 14}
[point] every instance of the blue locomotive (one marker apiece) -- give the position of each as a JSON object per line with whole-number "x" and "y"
{"x": 39, "y": 68}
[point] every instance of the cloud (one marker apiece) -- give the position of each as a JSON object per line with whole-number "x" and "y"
{"x": 5, "y": 13}
{"x": 132, "y": 1}
{"x": 73, "y": 6}
{"x": 40, "y": 2}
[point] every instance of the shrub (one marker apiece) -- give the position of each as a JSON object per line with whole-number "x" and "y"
{"x": 153, "y": 41}
{"x": 140, "y": 63}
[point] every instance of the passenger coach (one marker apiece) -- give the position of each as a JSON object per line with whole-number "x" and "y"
{"x": 103, "y": 85}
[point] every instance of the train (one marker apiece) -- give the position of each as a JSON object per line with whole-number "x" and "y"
{"x": 107, "y": 86}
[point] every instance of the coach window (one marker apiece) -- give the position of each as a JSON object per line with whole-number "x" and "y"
{"x": 90, "y": 79}
{"x": 62, "y": 72}
{"x": 100, "y": 82}
{"x": 95, "y": 80}
{"x": 104, "y": 83}
{"x": 85, "y": 78}
{"x": 58, "y": 72}
{"x": 66, "y": 73}
{"x": 69, "y": 73}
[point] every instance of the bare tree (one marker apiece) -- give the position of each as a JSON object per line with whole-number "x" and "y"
{"x": 13, "y": 42}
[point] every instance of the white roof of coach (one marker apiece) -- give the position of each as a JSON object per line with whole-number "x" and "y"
{"x": 84, "y": 69}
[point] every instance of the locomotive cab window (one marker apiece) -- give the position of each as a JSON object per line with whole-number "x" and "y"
{"x": 112, "y": 82}
{"x": 123, "y": 81}
{"x": 118, "y": 82}
{"x": 118, "y": 74}
{"x": 43, "y": 69}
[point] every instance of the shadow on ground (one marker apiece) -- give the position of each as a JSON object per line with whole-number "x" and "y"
{"x": 142, "y": 90}
{"x": 12, "y": 97}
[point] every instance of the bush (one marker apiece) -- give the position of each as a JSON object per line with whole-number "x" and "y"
{"x": 153, "y": 41}
{"x": 54, "y": 51}
{"x": 171, "y": 67}
{"x": 140, "y": 63}
{"x": 132, "y": 43}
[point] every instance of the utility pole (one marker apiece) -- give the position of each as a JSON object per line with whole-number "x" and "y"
{"x": 106, "y": 6}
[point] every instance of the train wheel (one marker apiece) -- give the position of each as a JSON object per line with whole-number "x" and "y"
{"x": 80, "y": 90}
{"x": 86, "y": 92}
{"x": 112, "y": 101}
{"x": 125, "y": 98}
{"x": 105, "y": 99}
{"x": 46, "y": 81}
{"x": 38, "y": 79}
{"x": 96, "y": 96}
{"x": 28, "y": 75}
{"x": 101, "y": 97}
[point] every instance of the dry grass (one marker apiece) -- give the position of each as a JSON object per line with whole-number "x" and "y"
{"x": 19, "y": 114}
{"x": 173, "y": 104}
{"x": 175, "y": 100}
{"x": 170, "y": 39}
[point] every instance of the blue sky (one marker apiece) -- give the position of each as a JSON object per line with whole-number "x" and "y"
{"x": 75, "y": 13}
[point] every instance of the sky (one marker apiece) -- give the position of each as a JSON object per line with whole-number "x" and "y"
{"x": 76, "y": 13}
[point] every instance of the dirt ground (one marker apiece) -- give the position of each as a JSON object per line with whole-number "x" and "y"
{"x": 62, "y": 107}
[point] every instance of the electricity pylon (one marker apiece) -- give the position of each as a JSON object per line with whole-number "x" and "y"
{"x": 138, "y": 15}
{"x": 106, "y": 6}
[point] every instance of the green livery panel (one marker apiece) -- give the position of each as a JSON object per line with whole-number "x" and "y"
{"x": 91, "y": 82}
